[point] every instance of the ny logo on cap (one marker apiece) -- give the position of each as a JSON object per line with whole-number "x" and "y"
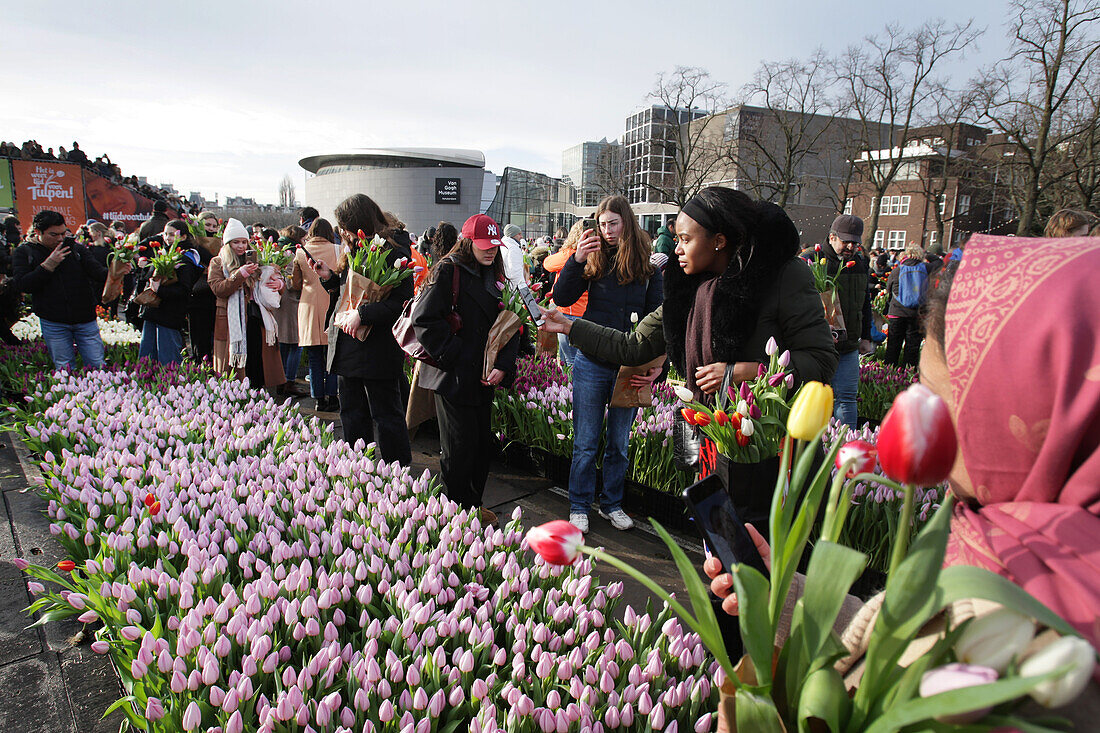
{"x": 491, "y": 229}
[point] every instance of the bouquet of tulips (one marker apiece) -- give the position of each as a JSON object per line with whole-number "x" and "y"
{"x": 274, "y": 255}
{"x": 972, "y": 678}
{"x": 370, "y": 278}
{"x": 826, "y": 286}
{"x": 747, "y": 423}
{"x": 165, "y": 261}
{"x": 119, "y": 261}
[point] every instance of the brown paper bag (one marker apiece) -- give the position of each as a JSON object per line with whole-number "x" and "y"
{"x": 505, "y": 327}
{"x": 112, "y": 289}
{"x": 213, "y": 245}
{"x": 834, "y": 315}
{"x": 627, "y": 395}
{"x": 359, "y": 290}
{"x": 421, "y": 406}
{"x": 147, "y": 297}
{"x": 547, "y": 342}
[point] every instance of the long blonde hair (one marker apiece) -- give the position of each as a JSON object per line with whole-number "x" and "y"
{"x": 229, "y": 259}
{"x": 632, "y": 250}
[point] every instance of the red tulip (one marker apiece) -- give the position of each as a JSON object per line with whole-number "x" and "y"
{"x": 721, "y": 418}
{"x": 861, "y": 452}
{"x": 742, "y": 439}
{"x": 154, "y": 508}
{"x": 361, "y": 235}
{"x": 689, "y": 415}
{"x": 917, "y": 443}
{"x": 149, "y": 499}
{"x": 66, "y": 566}
{"x": 702, "y": 419}
{"x": 557, "y": 542}
{"x": 850, "y": 263}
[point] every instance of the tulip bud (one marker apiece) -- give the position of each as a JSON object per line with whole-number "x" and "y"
{"x": 784, "y": 359}
{"x": 66, "y": 566}
{"x": 917, "y": 443}
{"x": 1068, "y": 650}
{"x": 993, "y": 640}
{"x": 955, "y": 677}
{"x": 863, "y": 457}
{"x": 747, "y": 428}
{"x": 811, "y": 411}
{"x": 558, "y": 542}
{"x": 771, "y": 347}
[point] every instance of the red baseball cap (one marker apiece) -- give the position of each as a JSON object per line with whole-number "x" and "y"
{"x": 484, "y": 232}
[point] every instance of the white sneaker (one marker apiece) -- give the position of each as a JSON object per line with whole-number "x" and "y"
{"x": 578, "y": 520}
{"x": 619, "y": 519}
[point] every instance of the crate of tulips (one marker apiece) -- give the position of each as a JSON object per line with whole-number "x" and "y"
{"x": 370, "y": 278}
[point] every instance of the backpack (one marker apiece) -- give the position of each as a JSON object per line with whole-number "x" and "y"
{"x": 912, "y": 281}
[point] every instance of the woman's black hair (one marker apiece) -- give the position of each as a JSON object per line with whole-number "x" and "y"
{"x": 185, "y": 231}
{"x": 728, "y": 212}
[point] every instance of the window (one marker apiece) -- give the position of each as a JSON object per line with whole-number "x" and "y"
{"x": 903, "y": 206}
{"x": 884, "y": 206}
{"x": 894, "y": 206}
{"x": 896, "y": 239}
{"x": 943, "y": 203}
{"x": 932, "y": 239}
{"x": 847, "y": 206}
{"x": 871, "y": 210}
{"x": 964, "y": 204}
{"x": 880, "y": 235}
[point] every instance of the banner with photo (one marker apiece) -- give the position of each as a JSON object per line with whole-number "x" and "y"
{"x": 46, "y": 184}
{"x": 7, "y": 201}
{"x": 111, "y": 203}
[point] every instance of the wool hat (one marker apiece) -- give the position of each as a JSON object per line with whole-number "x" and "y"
{"x": 234, "y": 230}
{"x": 160, "y": 207}
{"x": 511, "y": 230}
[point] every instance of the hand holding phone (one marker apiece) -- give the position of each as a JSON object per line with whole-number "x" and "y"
{"x": 721, "y": 528}
{"x": 532, "y": 304}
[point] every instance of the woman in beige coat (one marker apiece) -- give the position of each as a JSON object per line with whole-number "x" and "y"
{"x": 313, "y": 310}
{"x": 239, "y": 343}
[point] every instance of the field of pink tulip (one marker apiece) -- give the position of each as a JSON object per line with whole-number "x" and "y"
{"x": 247, "y": 571}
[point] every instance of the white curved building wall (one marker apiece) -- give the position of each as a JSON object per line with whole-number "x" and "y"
{"x": 409, "y": 192}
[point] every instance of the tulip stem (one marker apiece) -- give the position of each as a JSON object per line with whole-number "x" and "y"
{"x": 715, "y": 645}
{"x": 901, "y": 542}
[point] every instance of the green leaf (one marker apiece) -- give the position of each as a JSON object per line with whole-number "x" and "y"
{"x": 956, "y": 702}
{"x": 825, "y": 697}
{"x": 756, "y": 713}
{"x": 757, "y": 631}
{"x": 117, "y": 704}
{"x": 964, "y": 581}
{"x": 832, "y": 571}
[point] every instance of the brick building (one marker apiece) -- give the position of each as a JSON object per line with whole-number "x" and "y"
{"x": 946, "y": 188}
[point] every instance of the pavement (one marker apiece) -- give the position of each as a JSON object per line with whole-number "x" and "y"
{"x": 51, "y": 682}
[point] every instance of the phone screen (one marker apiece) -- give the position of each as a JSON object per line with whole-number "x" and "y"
{"x": 532, "y": 304}
{"x": 720, "y": 526}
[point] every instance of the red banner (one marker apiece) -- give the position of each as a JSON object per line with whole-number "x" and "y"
{"x": 45, "y": 184}
{"x": 111, "y": 203}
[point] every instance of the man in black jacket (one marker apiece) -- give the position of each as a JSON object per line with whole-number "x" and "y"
{"x": 65, "y": 282}
{"x": 845, "y": 261}
{"x": 154, "y": 225}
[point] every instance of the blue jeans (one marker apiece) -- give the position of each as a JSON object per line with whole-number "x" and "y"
{"x": 846, "y": 388}
{"x": 292, "y": 355}
{"x": 321, "y": 384}
{"x": 592, "y": 387}
{"x": 567, "y": 352}
{"x": 161, "y": 343}
{"x": 60, "y": 338}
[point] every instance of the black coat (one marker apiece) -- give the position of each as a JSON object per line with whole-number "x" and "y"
{"x": 70, "y": 293}
{"x": 379, "y": 356}
{"x": 174, "y": 297}
{"x": 461, "y": 355}
{"x": 152, "y": 226}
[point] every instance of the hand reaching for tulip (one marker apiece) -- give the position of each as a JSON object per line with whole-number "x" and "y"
{"x": 721, "y": 583}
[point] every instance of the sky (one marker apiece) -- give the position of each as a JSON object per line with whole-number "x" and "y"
{"x": 226, "y": 97}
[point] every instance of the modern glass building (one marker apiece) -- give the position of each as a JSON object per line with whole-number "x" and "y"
{"x": 535, "y": 202}
{"x": 649, "y": 150}
{"x": 593, "y": 169}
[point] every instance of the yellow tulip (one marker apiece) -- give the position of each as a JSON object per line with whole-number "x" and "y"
{"x": 811, "y": 411}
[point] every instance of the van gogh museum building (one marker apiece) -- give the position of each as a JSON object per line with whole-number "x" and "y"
{"x": 424, "y": 186}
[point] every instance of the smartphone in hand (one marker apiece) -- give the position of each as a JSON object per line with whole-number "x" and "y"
{"x": 720, "y": 526}
{"x": 532, "y": 304}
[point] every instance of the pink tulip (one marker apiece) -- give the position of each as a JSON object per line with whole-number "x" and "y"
{"x": 917, "y": 443}
{"x": 557, "y": 542}
{"x": 154, "y": 709}
{"x": 955, "y": 677}
{"x": 862, "y": 454}
{"x": 192, "y": 716}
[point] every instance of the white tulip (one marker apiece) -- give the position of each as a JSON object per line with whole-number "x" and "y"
{"x": 1068, "y": 650}
{"x": 683, "y": 394}
{"x": 743, "y": 407}
{"x": 995, "y": 639}
{"x": 747, "y": 428}
{"x": 633, "y": 317}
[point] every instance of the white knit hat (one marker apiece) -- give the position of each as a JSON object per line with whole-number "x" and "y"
{"x": 234, "y": 230}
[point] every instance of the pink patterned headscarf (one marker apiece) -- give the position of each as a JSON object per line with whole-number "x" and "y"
{"x": 1023, "y": 353}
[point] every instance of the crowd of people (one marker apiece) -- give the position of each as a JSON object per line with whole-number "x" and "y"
{"x": 101, "y": 165}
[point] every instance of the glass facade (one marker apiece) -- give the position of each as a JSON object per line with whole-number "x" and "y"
{"x": 649, "y": 146}
{"x": 591, "y": 168}
{"x": 535, "y": 202}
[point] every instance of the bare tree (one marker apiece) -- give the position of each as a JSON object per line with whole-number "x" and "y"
{"x": 794, "y": 95}
{"x": 286, "y": 192}
{"x": 694, "y": 153}
{"x": 1030, "y": 97}
{"x": 888, "y": 80}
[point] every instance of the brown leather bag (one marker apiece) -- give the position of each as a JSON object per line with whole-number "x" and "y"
{"x": 405, "y": 334}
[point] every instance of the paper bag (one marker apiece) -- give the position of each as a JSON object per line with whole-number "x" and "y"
{"x": 357, "y": 291}
{"x": 147, "y": 297}
{"x": 112, "y": 289}
{"x": 547, "y": 342}
{"x": 834, "y": 315}
{"x": 504, "y": 328}
{"x": 626, "y": 394}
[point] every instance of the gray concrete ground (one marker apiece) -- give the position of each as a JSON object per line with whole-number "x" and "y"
{"x": 51, "y": 682}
